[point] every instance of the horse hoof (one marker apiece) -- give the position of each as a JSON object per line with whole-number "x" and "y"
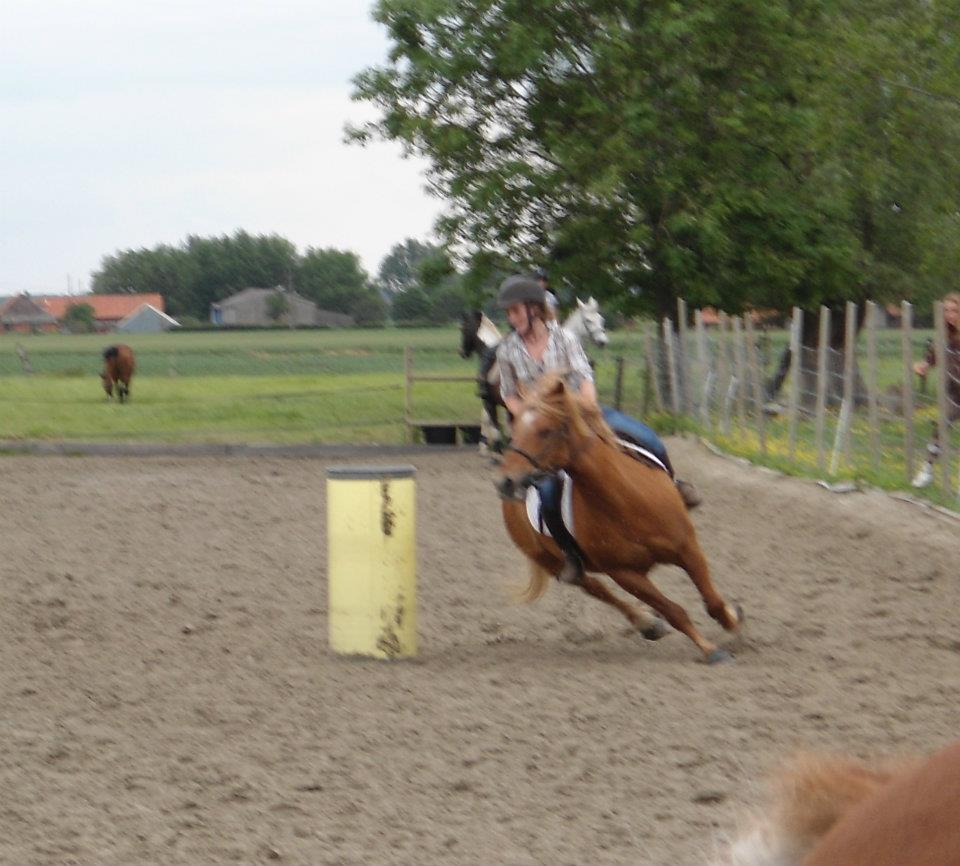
{"x": 741, "y": 616}
{"x": 656, "y": 631}
{"x": 719, "y": 656}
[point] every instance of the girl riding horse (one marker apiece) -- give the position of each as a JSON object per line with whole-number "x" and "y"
{"x": 536, "y": 345}
{"x": 627, "y": 514}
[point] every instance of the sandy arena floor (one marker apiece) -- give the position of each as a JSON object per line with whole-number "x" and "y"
{"x": 168, "y": 695}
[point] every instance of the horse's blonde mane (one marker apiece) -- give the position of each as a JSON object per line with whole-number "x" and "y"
{"x": 553, "y": 398}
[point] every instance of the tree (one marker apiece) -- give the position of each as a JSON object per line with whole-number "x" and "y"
{"x": 200, "y": 271}
{"x": 411, "y": 306}
{"x": 333, "y": 279}
{"x": 735, "y": 153}
{"x": 398, "y": 269}
{"x": 80, "y": 318}
{"x": 278, "y": 305}
{"x": 164, "y": 269}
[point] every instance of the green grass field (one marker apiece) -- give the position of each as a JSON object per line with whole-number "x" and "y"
{"x": 282, "y": 387}
{"x": 323, "y": 387}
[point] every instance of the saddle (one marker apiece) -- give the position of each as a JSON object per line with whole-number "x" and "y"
{"x": 550, "y": 498}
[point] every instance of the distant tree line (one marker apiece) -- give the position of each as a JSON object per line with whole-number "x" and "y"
{"x": 416, "y": 282}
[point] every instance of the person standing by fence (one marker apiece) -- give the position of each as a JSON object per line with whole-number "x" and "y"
{"x": 951, "y": 317}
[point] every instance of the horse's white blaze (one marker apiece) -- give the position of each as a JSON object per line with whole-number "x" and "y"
{"x": 488, "y": 333}
{"x": 528, "y": 417}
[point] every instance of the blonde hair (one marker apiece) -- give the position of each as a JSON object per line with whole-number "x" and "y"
{"x": 952, "y": 297}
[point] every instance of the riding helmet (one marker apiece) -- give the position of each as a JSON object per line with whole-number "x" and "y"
{"x": 520, "y": 290}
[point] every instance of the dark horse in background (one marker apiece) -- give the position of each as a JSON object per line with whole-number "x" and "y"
{"x": 480, "y": 336}
{"x": 118, "y": 367}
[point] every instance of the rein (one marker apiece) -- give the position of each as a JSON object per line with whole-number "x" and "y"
{"x": 526, "y": 456}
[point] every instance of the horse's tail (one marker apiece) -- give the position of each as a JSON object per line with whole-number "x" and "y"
{"x": 538, "y": 581}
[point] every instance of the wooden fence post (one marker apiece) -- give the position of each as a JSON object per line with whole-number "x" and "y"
{"x": 795, "y": 331}
{"x": 841, "y": 445}
{"x": 741, "y": 372}
{"x": 757, "y": 381}
{"x": 706, "y": 371}
{"x": 671, "y": 365}
{"x": 872, "y": 314}
{"x": 683, "y": 365}
{"x": 24, "y": 358}
{"x": 725, "y": 380}
{"x": 618, "y": 384}
{"x": 823, "y": 348}
{"x": 940, "y": 337}
{"x": 906, "y": 351}
{"x": 653, "y": 370}
{"x": 408, "y": 391}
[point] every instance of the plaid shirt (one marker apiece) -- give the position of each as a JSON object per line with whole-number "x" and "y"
{"x": 563, "y": 352}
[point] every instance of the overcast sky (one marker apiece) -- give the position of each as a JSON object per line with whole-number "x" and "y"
{"x": 130, "y": 123}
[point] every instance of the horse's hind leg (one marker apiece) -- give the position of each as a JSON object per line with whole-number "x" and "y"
{"x": 694, "y": 563}
{"x": 637, "y": 583}
{"x": 649, "y": 625}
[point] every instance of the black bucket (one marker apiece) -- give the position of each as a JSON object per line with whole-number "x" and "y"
{"x": 470, "y": 434}
{"x": 439, "y": 434}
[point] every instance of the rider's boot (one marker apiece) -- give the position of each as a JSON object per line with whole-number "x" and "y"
{"x": 573, "y": 571}
{"x": 550, "y": 490}
{"x": 690, "y": 495}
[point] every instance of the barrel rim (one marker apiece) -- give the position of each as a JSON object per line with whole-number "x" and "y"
{"x": 370, "y": 473}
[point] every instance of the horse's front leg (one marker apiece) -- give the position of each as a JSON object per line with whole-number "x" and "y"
{"x": 694, "y": 563}
{"x": 489, "y": 428}
{"x": 637, "y": 583}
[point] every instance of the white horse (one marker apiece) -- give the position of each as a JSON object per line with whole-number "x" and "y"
{"x": 480, "y": 336}
{"x": 586, "y": 321}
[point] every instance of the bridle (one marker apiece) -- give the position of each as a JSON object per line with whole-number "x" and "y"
{"x": 526, "y": 455}
{"x": 540, "y": 469}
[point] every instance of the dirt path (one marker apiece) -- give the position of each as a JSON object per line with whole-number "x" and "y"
{"x": 168, "y": 696}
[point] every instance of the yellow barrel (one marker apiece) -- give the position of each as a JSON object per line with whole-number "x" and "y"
{"x": 371, "y": 560}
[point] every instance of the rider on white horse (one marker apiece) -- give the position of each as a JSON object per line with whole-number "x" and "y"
{"x": 537, "y": 344}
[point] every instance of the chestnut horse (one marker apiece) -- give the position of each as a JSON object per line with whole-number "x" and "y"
{"x": 830, "y": 810}
{"x": 118, "y": 367}
{"x": 627, "y": 514}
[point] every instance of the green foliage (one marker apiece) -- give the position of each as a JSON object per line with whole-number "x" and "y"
{"x": 199, "y": 272}
{"x": 334, "y": 279}
{"x": 411, "y": 305}
{"x": 278, "y": 305}
{"x": 398, "y": 270}
{"x": 79, "y": 318}
{"x": 739, "y": 153}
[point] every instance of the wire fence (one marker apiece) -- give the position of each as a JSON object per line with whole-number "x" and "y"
{"x": 835, "y": 396}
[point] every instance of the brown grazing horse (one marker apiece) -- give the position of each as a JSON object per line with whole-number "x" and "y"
{"x": 118, "y": 367}
{"x": 627, "y": 515}
{"x": 832, "y": 810}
